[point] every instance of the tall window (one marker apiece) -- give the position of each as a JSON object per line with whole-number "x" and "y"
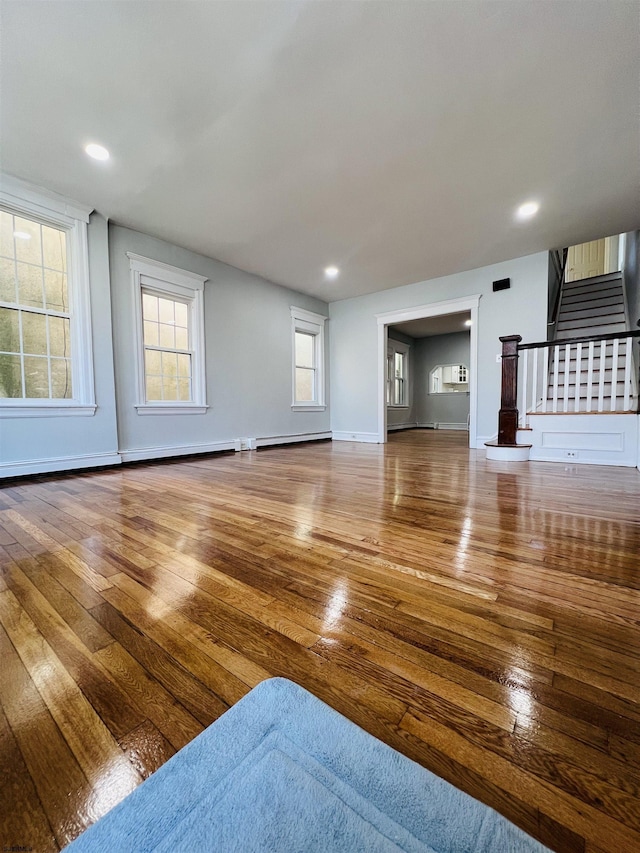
{"x": 308, "y": 360}
{"x": 169, "y": 308}
{"x": 45, "y": 333}
{"x": 397, "y": 374}
{"x": 167, "y": 354}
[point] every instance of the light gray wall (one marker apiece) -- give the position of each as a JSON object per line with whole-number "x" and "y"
{"x": 406, "y": 415}
{"x": 354, "y": 351}
{"x": 51, "y": 438}
{"x": 248, "y": 353}
{"x": 429, "y": 353}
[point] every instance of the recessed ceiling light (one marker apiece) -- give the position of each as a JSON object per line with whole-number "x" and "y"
{"x": 527, "y": 210}
{"x": 21, "y": 235}
{"x": 468, "y": 322}
{"x": 98, "y": 152}
{"x": 331, "y": 272}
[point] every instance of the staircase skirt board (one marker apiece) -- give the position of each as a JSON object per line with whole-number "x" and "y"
{"x": 585, "y": 438}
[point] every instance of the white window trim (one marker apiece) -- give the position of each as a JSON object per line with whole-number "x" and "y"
{"x": 147, "y": 273}
{"x": 26, "y": 199}
{"x": 308, "y": 321}
{"x": 393, "y": 347}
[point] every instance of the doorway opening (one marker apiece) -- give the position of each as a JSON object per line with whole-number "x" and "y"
{"x": 423, "y": 381}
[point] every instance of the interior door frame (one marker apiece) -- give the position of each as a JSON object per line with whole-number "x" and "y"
{"x": 435, "y": 309}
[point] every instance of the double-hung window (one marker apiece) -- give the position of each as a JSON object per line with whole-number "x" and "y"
{"x": 46, "y": 365}
{"x": 169, "y": 311}
{"x": 397, "y": 374}
{"x": 308, "y": 360}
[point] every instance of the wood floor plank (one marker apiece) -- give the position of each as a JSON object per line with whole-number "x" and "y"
{"x": 25, "y": 825}
{"x": 480, "y": 619}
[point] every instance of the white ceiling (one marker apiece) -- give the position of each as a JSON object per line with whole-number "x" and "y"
{"x": 426, "y": 327}
{"x": 393, "y": 139}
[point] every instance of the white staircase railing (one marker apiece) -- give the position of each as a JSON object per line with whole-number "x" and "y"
{"x": 593, "y": 374}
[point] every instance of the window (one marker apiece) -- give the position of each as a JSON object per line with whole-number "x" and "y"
{"x": 170, "y": 338}
{"x": 308, "y": 360}
{"x": 45, "y": 330}
{"x": 397, "y": 374}
{"x": 449, "y": 379}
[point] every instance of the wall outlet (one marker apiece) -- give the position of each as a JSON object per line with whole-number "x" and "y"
{"x": 571, "y": 454}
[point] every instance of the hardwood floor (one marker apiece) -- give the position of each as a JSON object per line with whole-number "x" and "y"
{"x": 480, "y": 618}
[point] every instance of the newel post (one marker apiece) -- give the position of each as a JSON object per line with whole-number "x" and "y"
{"x": 508, "y": 415}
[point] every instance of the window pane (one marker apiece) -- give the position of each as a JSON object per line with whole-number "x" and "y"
{"x": 182, "y": 338}
{"x": 54, "y": 248}
{"x": 151, "y": 334}
{"x": 184, "y": 390}
{"x": 30, "y": 285}
{"x": 36, "y": 376}
{"x": 304, "y": 349}
{"x": 6, "y": 234}
{"x": 10, "y": 376}
{"x": 169, "y": 388}
{"x": 34, "y": 335}
{"x": 154, "y": 388}
{"x": 166, "y": 311}
{"x": 28, "y": 249}
{"x": 184, "y": 366}
{"x": 167, "y": 336}
{"x": 55, "y": 288}
{"x": 182, "y": 314}
{"x": 7, "y": 281}
{"x": 399, "y": 364}
{"x": 169, "y": 364}
{"x": 149, "y": 306}
{"x": 9, "y": 330}
{"x": 305, "y": 392}
{"x": 152, "y": 362}
{"x": 59, "y": 337}
{"x": 61, "y": 378}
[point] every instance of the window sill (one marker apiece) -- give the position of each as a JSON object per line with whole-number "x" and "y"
{"x": 185, "y": 409}
{"x": 308, "y": 407}
{"x": 392, "y": 406}
{"x": 45, "y": 410}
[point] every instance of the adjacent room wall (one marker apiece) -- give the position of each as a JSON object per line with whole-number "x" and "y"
{"x": 429, "y": 408}
{"x": 38, "y": 444}
{"x": 405, "y": 416}
{"x": 248, "y": 357}
{"x": 354, "y": 371}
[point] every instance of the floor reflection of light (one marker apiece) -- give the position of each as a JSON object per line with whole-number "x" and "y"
{"x": 336, "y": 605}
{"x": 521, "y": 701}
{"x": 463, "y": 544}
{"x": 115, "y": 782}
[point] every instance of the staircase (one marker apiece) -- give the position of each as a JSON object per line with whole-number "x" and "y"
{"x": 591, "y": 307}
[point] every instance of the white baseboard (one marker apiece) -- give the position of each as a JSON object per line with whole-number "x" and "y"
{"x": 368, "y": 437}
{"x": 269, "y": 440}
{"x": 442, "y": 425}
{"x": 481, "y": 439}
{"x": 61, "y": 463}
{"x": 392, "y": 427}
{"x": 164, "y": 451}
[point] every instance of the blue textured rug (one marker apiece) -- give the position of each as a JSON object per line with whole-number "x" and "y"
{"x": 281, "y": 771}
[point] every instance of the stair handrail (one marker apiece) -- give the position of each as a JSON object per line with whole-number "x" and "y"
{"x": 508, "y": 416}
{"x": 611, "y": 336}
{"x": 560, "y": 269}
